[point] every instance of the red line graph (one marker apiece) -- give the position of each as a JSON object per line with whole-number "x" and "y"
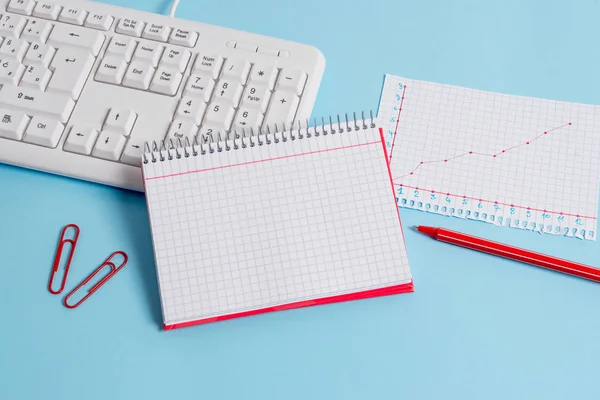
{"x": 397, "y": 122}
{"x": 467, "y": 153}
{"x": 494, "y": 202}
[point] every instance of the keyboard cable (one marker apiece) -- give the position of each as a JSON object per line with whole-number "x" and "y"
{"x": 173, "y": 8}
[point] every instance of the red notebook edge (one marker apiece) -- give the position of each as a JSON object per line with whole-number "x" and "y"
{"x": 365, "y": 294}
{"x": 386, "y": 291}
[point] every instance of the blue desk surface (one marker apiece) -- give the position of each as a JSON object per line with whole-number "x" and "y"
{"x": 476, "y": 327}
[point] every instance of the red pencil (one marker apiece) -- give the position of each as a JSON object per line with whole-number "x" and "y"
{"x": 513, "y": 253}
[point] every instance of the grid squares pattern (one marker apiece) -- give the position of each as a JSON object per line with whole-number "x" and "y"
{"x": 559, "y": 171}
{"x": 275, "y": 224}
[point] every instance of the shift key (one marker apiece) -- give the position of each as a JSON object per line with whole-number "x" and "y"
{"x": 31, "y": 101}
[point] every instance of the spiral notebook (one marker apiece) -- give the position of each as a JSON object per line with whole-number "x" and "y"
{"x": 273, "y": 221}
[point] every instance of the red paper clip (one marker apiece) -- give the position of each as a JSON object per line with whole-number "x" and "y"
{"x": 113, "y": 270}
{"x": 58, "y": 256}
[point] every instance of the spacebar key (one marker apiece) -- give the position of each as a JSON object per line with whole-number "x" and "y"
{"x": 34, "y": 102}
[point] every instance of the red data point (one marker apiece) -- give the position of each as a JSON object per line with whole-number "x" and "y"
{"x": 569, "y": 123}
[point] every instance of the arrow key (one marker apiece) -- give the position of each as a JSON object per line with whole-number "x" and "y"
{"x": 247, "y": 119}
{"x": 192, "y": 109}
{"x": 120, "y": 121}
{"x": 81, "y": 140}
{"x": 228, "y": 90}
{"x": 132, "y": 154}
{"x": 109, "y": 145}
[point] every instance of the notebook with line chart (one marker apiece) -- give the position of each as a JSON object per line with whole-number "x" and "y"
{"x": 515, "y": 161}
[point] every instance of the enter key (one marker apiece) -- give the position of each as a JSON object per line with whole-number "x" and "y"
{"x": 71, "y": 68}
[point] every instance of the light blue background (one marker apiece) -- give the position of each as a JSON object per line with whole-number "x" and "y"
{"x": 476, "y": 327}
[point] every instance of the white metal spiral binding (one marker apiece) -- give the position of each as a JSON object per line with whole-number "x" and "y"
{"x": 201, "y": 144}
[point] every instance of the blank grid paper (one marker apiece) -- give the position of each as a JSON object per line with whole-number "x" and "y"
{"x": 519, "y": 161}
{"x": 275, "y": 224}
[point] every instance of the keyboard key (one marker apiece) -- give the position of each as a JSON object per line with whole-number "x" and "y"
{"x": 11, "y": 71}
{"x": 257, "y": 97}
{"x": 177, "y": 58}
{"x": 46, "y": 10}
{"x": 191, "y": 108}
{"x": 111, "y": 70}
{"x": 263, "y": 74}
{"x": 39, "y": 54}
{"x": 68, "y": 35}
{"x": 81, "y": 140}
{"x": 12, "y": 124}
{"x": 12, "y": 25}
{"x": 220, "y": 114}
{"x": 158, "y": 32}
{"x": 166, "y": 81}
{"x": 181, "y": 128}
{"x": 138, "y": 75}
{"x": 283, "y": 108}
{"x": 71, "y": 68}
{"x": 148, "y": 52}
{"x": 109, "y": 145}
{"x": 132, "y": 154}
{"x": 236, "y": 69}
{"x": 43, "y": 131}
{"x": 209, "y": 132}
{"x": 122, "y": 47}
{"x": 36, "y": 77}
{"x": 131, "y": 27}
{"x": 228, "y": 90}
{"x": 13, "y": 49}
{"x": 35, "y": 102}
{"x": 208, "y": 65}
{"x": 246, "y": 119}
{"x": 292, "y": 80}
{"x": 120, "y": 121}
{"x": 36, "y": 31}
{"x": 99, "y": 21}
{"x": 24, "y": 7}
{"x": 199, "y": 86}
{"x": 72, "y": 15}
{"x": 184, "y": 37}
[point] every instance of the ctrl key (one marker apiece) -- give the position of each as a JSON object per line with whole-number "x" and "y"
{"x": 109, "y": 145}
{"x": 44, "y": 131}
{"x": 12, "y": 124}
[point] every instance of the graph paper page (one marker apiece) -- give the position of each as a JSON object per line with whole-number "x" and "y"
{"x": 509, "y": 160}
{"x": 275, "y": 224}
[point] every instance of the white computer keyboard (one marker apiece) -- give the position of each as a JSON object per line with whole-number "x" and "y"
{"x": 84, "y": 85}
